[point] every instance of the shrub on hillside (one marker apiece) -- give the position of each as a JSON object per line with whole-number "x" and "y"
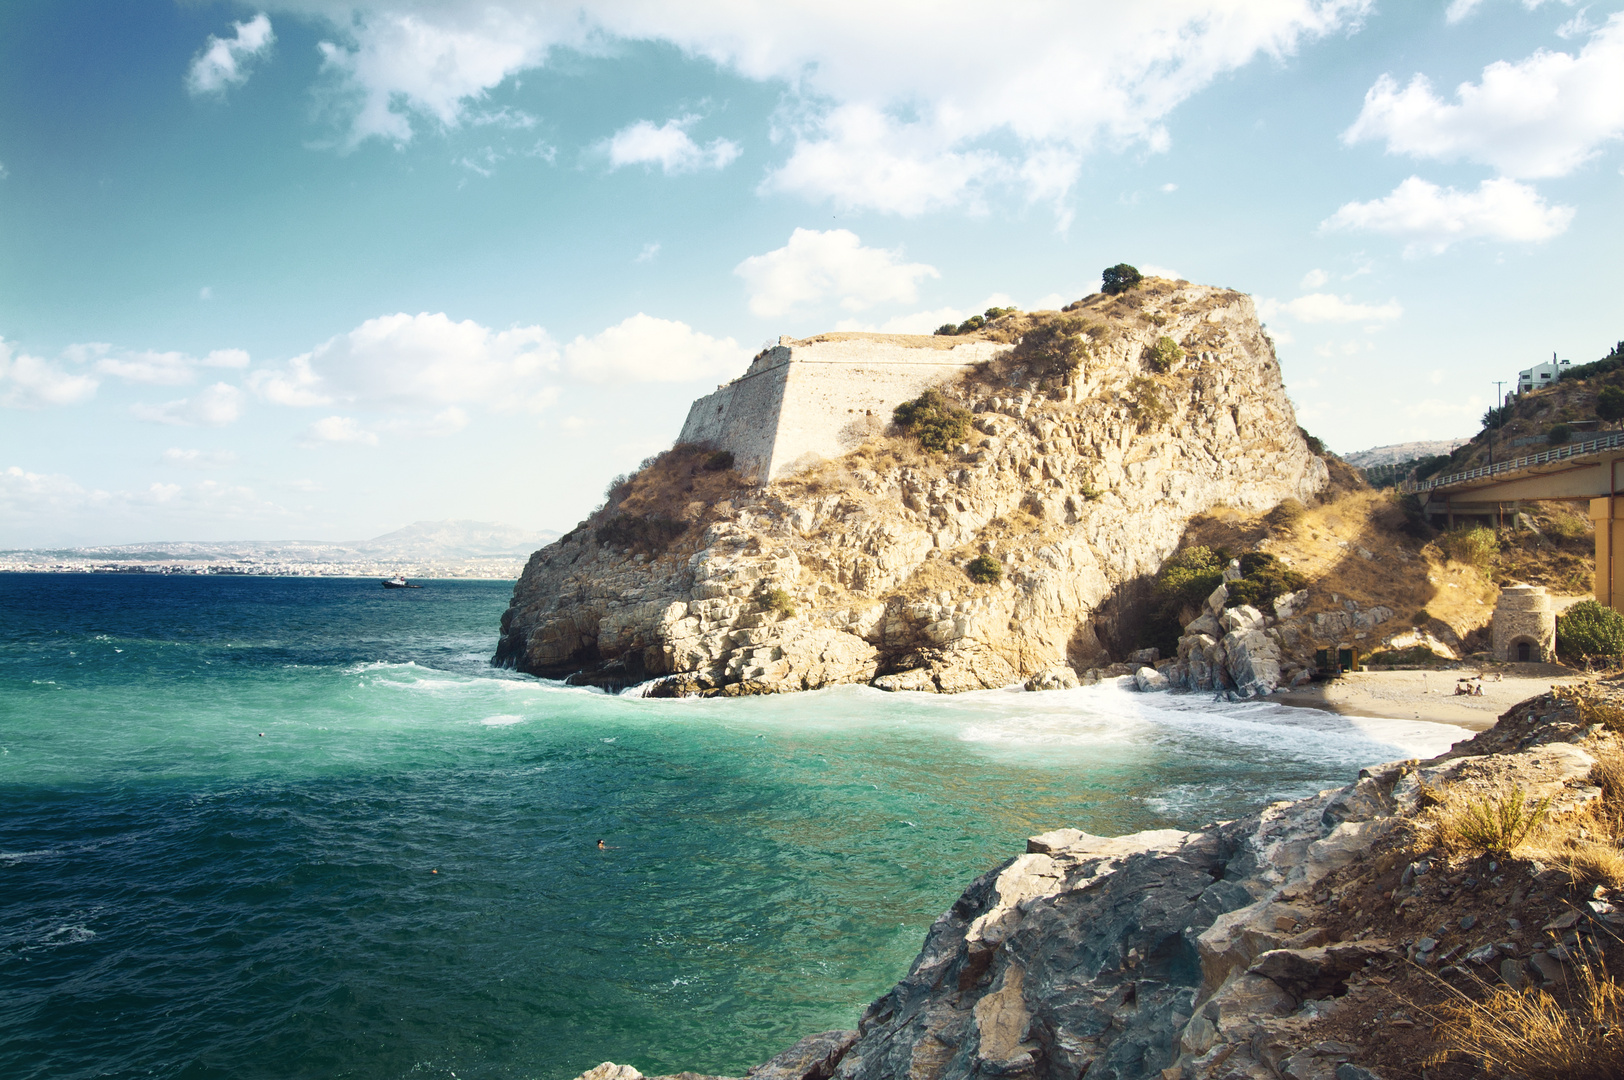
{"x": 720, "y": 461}
{"x": 1119, "y": 279}
{"x": 976, "y": 322}
{"x": 778, "y": 602}
{"x": 984, "y": 570}
{"x": 1478, "y": 547}
{"x": 1285, "y": 515}
{"x": 1415, "y": 518}
{"x": 1559, "y": 434}
{"x": 1263, "y": 577}
{"x": 1487, "y": 824}
{"x": 1610, "y": 403}
{"x": 647, "y": 533}
{"x": 935, "y": 421}
{"x": 1164, "y": 354}
{"x": 1316, "y": 446}
{"x": 1053, "y": 349}
{"x": 1431, "y": 466}
{"x": 1588, "y": 630}
{"x": 1146, "y": 404}
{"x": 1177, "y": 593}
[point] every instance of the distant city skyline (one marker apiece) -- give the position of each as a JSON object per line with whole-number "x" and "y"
{"x": 313, "y": 269}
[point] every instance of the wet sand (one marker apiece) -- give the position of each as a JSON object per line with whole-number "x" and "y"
{"x": 1430, "y": 695}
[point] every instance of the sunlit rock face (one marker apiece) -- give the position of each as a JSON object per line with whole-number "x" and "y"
{"x": 1087, "y": 452}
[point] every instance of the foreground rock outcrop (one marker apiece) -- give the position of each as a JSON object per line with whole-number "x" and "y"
{"x": 1295, "y": 943}
{"x": 1093, "y": 444}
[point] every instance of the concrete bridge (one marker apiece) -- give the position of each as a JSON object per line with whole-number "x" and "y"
{"x": 1591, "y": 471}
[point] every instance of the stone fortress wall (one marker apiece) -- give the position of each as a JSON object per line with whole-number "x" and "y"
{"x": 801, "y": 402}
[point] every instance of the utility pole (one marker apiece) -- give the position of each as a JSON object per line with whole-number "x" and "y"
{"x": 1498, "y": 397}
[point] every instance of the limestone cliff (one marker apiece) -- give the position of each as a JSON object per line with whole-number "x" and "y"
{"x": 1091, "y": 449}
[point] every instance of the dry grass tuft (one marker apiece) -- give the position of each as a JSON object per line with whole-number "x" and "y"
{"x": 1594, "y": 862}
{"x": 1495, "y": 824}
{"x": 1595, "y": 708}
{"x": 1529, "y": 1033}
{"x": 1588, "y": 845}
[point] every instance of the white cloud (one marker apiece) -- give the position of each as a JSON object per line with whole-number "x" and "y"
{"x": 1151, "y": 270}
{"x": 867, "y": 160}
{"x": 1313, "y": 279}
{"x": 400, "y": 363}
{"x": 1543, "y": 116}
{"x": 213, "y": 406}
{"x": 30, "y": 495}
{"x": 198, "y": 459}
{"x": 669, "y": 146}
{"x": 648, "y": 254}
{"x": 874, "y": 116}
{"x": 339, "y": 429}
{"x": 225, "y": 62}
{"x": 1326, "y": 308}
{"x": 1578, "y": 26}
{"x": 205, "y": 293}
{"x": 445, "y": 422}
{"x": 50, "y": 500}
{"x": 3, "y": 172}
{"x": 816, "y": 267}
{"x": 1460, "y": 9}
{"x": 434, "y": 62}
{"x": 918, "y": 322}
{"x": 1432, "y": 218}
{"x": 153, "y": 367}
{"x": 28, "y": 382}
{"x": 646, "y": 349}
{"x": 296, "y": 385}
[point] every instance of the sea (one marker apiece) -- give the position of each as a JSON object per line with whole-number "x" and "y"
{"x": 298, "y": 827}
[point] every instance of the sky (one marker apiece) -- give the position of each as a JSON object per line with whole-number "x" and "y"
{"x": 315, "y": 269}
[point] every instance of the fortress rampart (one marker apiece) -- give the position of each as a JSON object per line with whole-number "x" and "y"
{"x": 804, "y": 401}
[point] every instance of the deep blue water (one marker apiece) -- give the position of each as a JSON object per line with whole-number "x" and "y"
{"x": 258, "y": 827}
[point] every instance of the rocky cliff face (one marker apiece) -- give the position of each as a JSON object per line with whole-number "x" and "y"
{"x": 1089, "y": 452}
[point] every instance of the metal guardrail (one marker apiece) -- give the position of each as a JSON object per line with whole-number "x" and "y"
{"x": 1571, "y": 450}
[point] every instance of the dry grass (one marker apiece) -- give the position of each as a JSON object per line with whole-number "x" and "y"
{"x": 1594, "y": 707}
{"x": 1588, "y": 844}
{"x": 674, "y": 485}
{"x": 1326, "y": 543}
{"x": 1495, "y": 824}
{"x": 1530, "y": 1033}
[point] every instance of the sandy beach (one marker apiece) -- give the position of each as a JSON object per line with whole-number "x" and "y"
{"x": 1430, "y": 695}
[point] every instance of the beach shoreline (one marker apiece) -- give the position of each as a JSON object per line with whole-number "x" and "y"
{"x": 1430, "y": 695}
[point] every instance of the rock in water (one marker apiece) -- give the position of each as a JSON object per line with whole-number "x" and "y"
{"x": 1080, "y": 466}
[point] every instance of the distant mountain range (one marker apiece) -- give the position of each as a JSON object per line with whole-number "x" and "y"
{"x": 1400, "y": 452}
{"x": 423, "y": 548}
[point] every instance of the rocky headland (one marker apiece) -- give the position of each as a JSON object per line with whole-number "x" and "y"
{"x": 1093, "y": 437}
{"x": 1356, "y": 934}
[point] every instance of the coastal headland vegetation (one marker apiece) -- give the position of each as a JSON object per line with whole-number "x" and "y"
{"x": 1115, "y": 461}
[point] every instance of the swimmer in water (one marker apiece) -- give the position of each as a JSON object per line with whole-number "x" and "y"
{"x": 602, "y": 846}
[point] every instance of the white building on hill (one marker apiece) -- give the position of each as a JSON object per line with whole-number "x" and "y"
{"x": 1541, "y": 375}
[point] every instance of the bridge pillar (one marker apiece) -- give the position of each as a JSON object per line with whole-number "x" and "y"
{"x": 1608, "y": 514}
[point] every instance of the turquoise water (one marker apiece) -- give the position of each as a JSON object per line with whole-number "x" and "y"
{"x": 298, "y": 828}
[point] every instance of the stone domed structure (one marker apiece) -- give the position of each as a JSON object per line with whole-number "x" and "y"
{"x": 1524, "y": 624}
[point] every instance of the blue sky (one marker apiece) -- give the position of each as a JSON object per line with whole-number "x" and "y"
{"x": 317, "y": 269}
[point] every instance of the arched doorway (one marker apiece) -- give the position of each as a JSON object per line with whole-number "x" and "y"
{"x": 1524, "y": 650}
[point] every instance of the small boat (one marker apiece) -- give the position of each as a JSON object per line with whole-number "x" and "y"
{"x": 398, "y": 582}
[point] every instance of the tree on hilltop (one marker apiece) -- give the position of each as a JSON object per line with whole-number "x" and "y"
{"x": 1120, "y": 278}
